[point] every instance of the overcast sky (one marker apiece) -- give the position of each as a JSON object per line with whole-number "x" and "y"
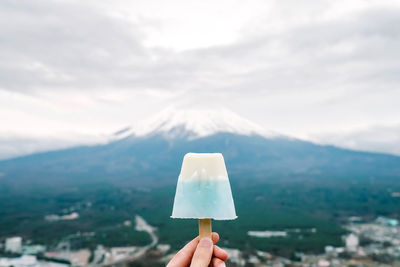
{"x": 326, "y": 71}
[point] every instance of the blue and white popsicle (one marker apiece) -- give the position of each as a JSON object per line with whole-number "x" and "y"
{"x": 203, "y": 190}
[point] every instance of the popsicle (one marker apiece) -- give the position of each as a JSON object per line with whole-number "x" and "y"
{"x": 203, "y": 191}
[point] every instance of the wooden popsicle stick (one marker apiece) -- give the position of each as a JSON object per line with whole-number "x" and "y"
{"x": 204, "y": 228}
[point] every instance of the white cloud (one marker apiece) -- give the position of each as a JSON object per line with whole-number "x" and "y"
{"x": 17, "y": 145}
{"x": 300, "y": 68}
{"x": 385, "y": 139}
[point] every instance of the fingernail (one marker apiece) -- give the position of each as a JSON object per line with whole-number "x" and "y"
{"x": 222, "y": 264}
{"x": 205, "y": 242}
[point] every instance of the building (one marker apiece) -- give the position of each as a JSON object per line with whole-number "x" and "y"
{"x": 387, "y": 221}
{"x": 13, "y": 244}
{"x": 33, "y": 249}
{"x": 29, "y": 261}
{"x": 351, "y": 242}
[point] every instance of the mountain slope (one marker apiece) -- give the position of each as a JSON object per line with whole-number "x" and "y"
{"x": 156, "y": 159}
{"x": 151, "y": 153}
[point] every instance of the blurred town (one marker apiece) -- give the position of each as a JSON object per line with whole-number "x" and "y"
{"x": 372, "y": 243}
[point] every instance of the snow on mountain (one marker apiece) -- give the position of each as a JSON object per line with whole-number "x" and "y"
{"x": 194, "y": 123}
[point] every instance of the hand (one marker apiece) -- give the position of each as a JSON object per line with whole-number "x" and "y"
{"x": 200, "y": 254}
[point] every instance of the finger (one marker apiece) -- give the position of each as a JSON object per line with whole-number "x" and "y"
{"x": 220, "y": 253}
{"x": 203, "y": 253}
{"x": 215, "y": 262}
{"x": 184, "y": 256}
{"x": 215, "y": 237}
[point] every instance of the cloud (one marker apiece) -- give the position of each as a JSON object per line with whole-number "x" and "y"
{"x": 65, "y": 44}
{"x": 350, "y": 52}
{"x": 298, "y": 68}
{"x": 384, "y": 139}
{"x": 18, "y": 145}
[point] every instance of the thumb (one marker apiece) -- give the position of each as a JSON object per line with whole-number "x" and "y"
{"x": 202, "y": 255}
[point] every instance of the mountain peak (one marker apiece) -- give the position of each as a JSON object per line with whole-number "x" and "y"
{"x": 195, "y": 123}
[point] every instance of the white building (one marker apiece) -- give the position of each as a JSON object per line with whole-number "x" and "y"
{"x": 13, "y": 244}
{"x": 351, "y": 242}
{"x": 28, "y": 261}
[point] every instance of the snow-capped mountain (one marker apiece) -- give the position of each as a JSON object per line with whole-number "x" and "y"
{"x": 194, "y": 123}
{"x": 153, "y": 150}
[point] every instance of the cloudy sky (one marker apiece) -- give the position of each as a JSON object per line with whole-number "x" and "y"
{"x": 72, "y": 71}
